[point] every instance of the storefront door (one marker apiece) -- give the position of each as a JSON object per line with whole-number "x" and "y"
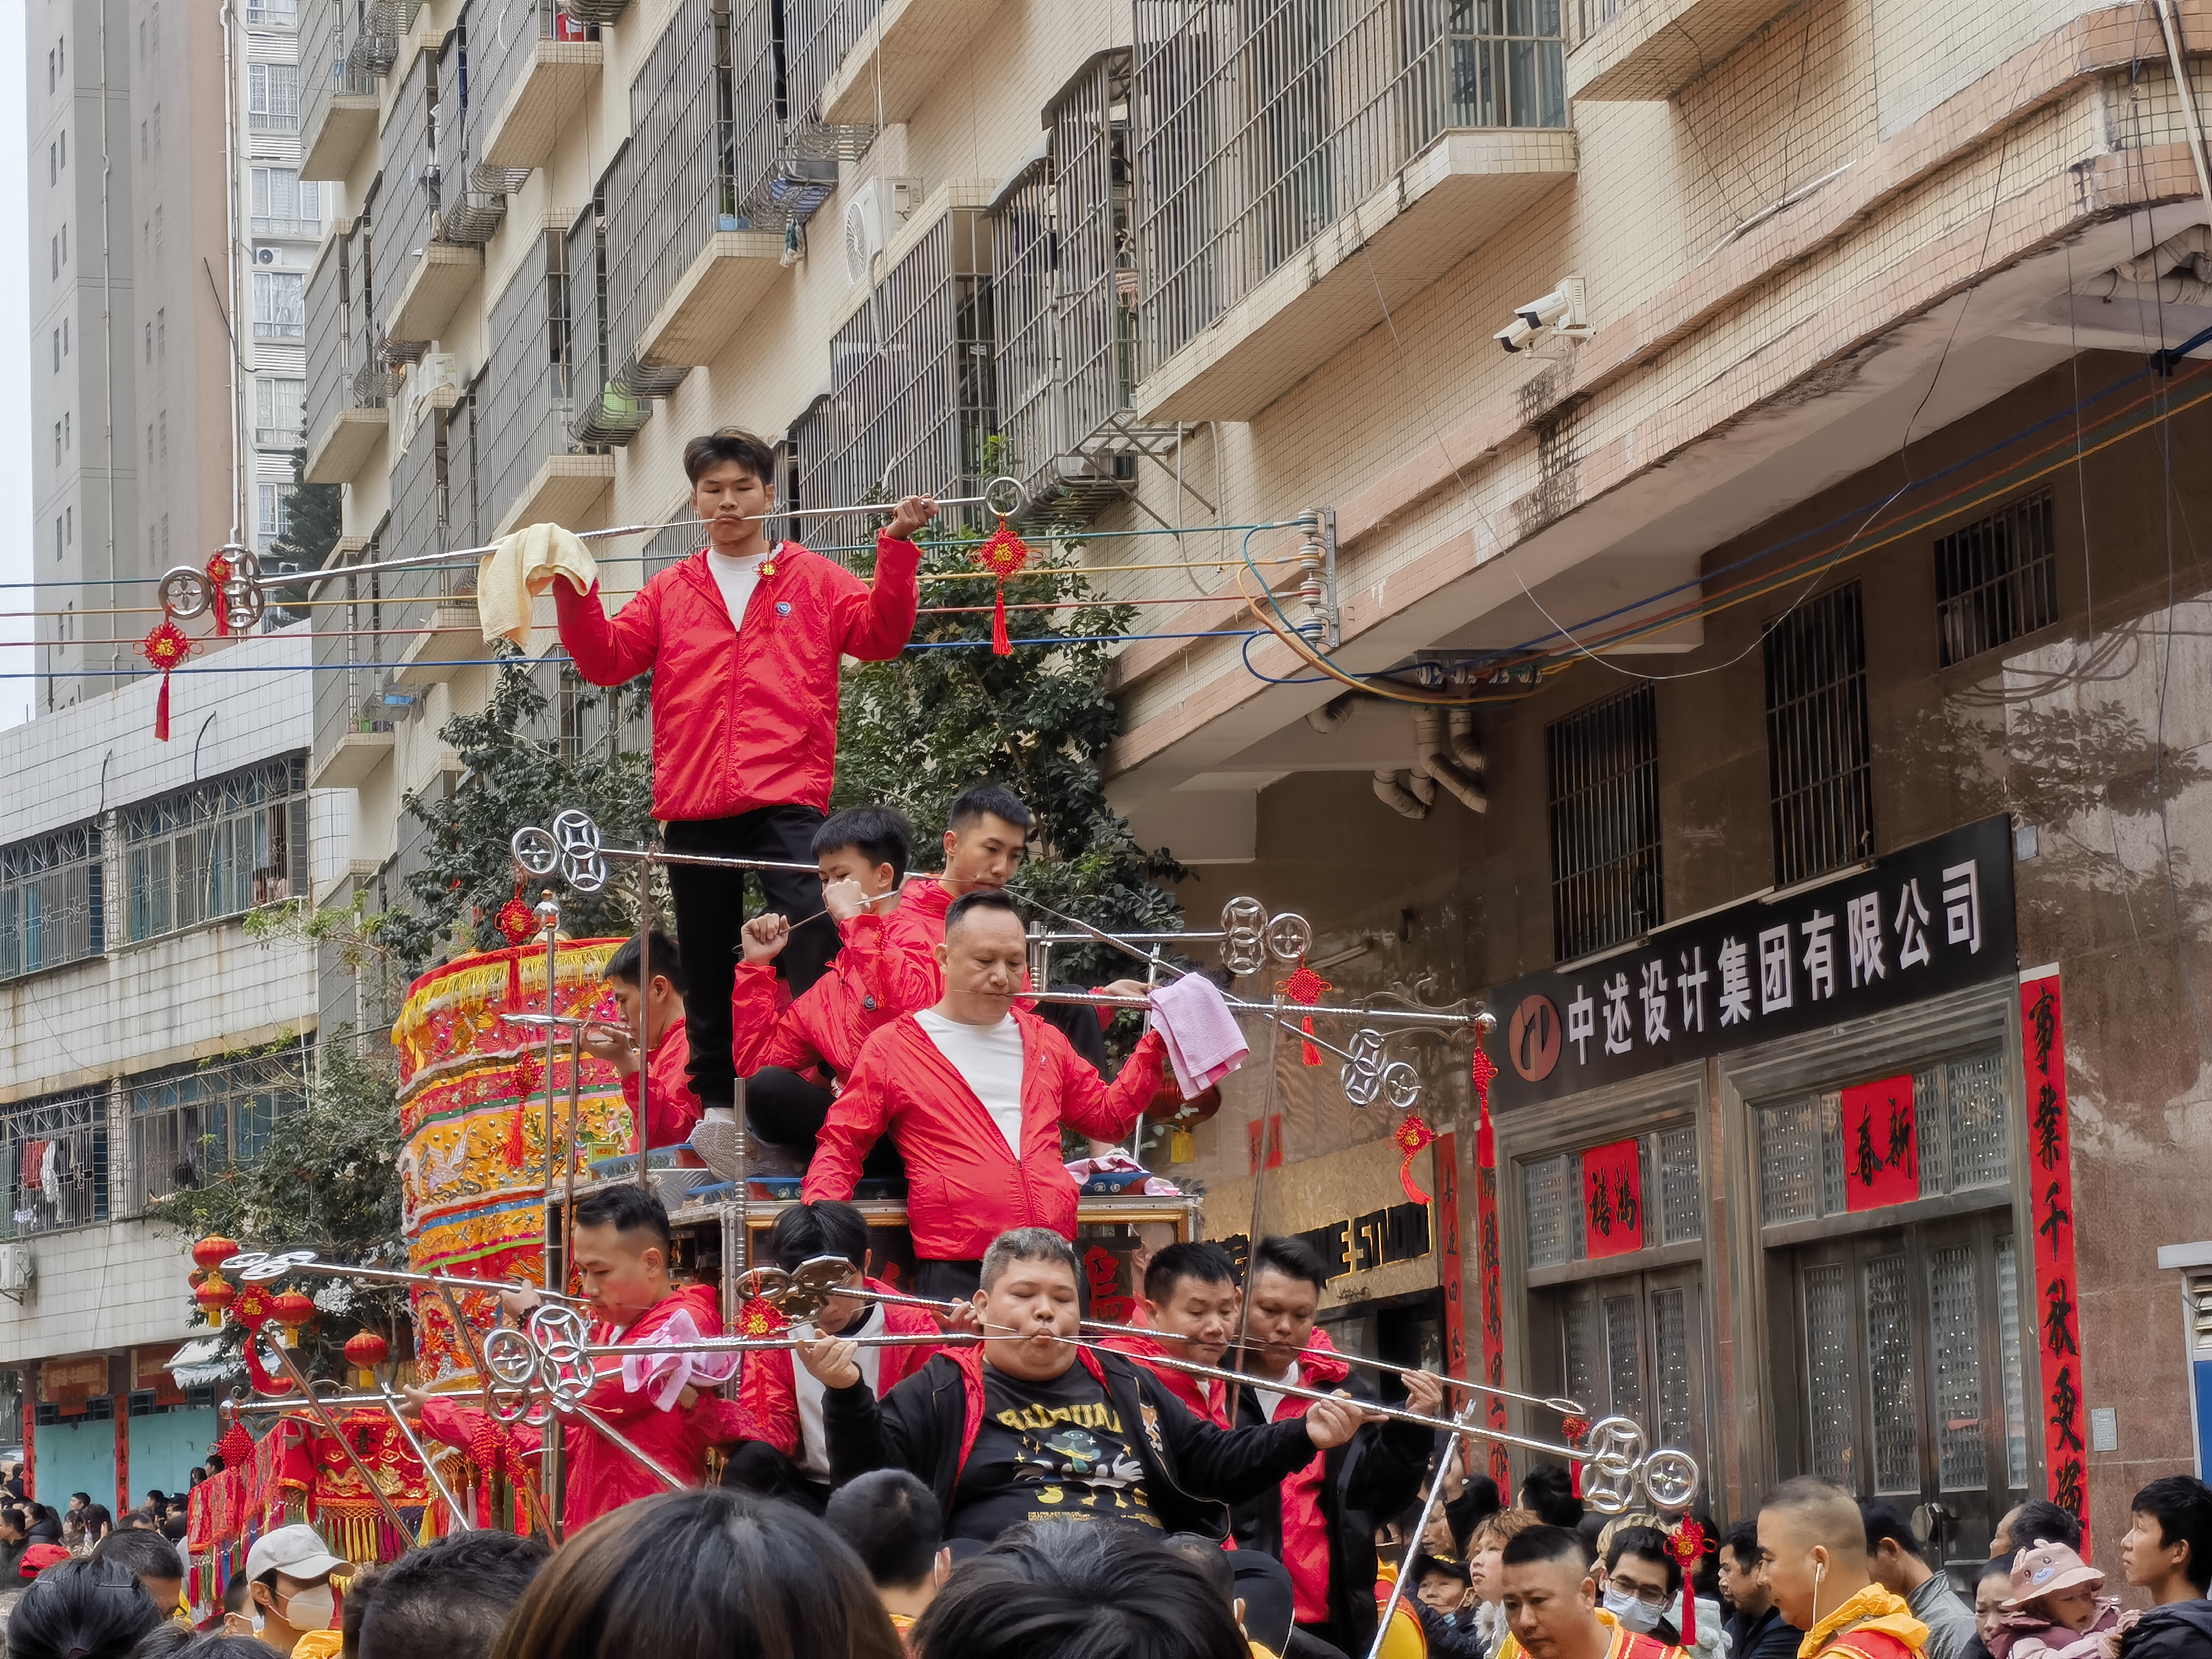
{"x": 1903, "y": 1380}
{"x": 1630, "y": 1345}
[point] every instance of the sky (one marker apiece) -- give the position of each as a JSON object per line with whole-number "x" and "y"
{"x": 17, "y": 691}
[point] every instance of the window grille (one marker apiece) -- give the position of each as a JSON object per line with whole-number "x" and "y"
{"x": 2016, "y": 1386}
{"x": 1624, "y": 1356}
{"x": 1260, "y": 125}
{"x": 1889, "y": 1369}
{"x": 1547, "y": 1184}
{"x": 1670, "y": 1348}
{"x": 399, "y": 217}
{"x": 1997, "y": 579}
{"x": 53, "y": 1158}
{"x": 1024, "y": 279}
{"x": 280, "y": 306}
{"x": 1681, "y": 1216}
{"x": 785, "y": 156}
{"x": 272, "y": 97}
{"x": 1552, "y": 1194}
{"x": 1820, "y": 781}
{"x": 192, "y": 1123}
{"x": 910, "y": 410}
{"x": 527, "y": 389}
{"x": 504, "y": 41}
{"x": 279, "y": 404}
{"x": 216, "y": 849}
{"x": 816, "y": 36}
{"x": 1603, "y": 768}
{"x": 51, "y": 908}
{"x": 1954, "y": 1330}
{"x": 1831, "y": 1359}
{"x": 1582, "y": 1345}
{"x": 1960, "y": 1108}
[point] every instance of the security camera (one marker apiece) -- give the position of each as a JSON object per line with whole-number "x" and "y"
{"x": 1553, "y": 308}
{"x": 1551, "y": 326}
{"x": 1516, "y": 335}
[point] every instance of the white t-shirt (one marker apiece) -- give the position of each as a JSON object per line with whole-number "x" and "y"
{"x": 813, "y": 1444}
{"x": 1269, "y": 1398}
{"x": 989, "y": 1057}
{"x": 737, "y": 578}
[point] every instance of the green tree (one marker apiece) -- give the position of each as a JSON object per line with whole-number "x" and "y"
{"x": 512, "y": 778}
{"x": 327, "y": 1180}
{"x": 316, "y": 520}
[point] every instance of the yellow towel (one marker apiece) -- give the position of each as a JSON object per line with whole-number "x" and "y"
{"x": 522, "y": 567}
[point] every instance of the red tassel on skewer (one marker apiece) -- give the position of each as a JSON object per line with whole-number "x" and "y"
{"x": 1306, "y": 987}
{"x": 164, "y": 648}
{"x": 1002, "y": 555}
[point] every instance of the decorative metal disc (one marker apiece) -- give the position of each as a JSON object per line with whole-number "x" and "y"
{"x": 1004, "y": 496}
{"x": 537, "y": 851}
{"x": 1288, "y": 938}
{"x": 1401, "y": 1085}
{"x": 258, "y": 1267}
{"x": 185, "y": 591}
{"x": 581, "y": 863}
{"x": 1244, "y": 944}
{"x": 1670, "y": 1479}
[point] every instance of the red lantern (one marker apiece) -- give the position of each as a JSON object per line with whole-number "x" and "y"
{"x": 213, "y": 1251}
{"x": 367, "y": 1350}
{"x": 291, "y": 1309}
{"x": 213, "y": 1295}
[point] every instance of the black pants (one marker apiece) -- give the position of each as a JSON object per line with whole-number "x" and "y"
{"x": 710, "y": 908}
{"x": 948, "y": 1281}
{"x": 758, "y": 1466}
{"x": 784, "y": 1109}
{"x": 1313, "y": 1642}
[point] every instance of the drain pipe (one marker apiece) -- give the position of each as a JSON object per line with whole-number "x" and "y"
{"x": 1461, "y": 769}
{"x": 2170, "y": 25}
{"x": 1332, "y": 716}
{"x": 229, "y": 20}
{"x": 107, "y": 324}
{"x": 1413, "y": 802}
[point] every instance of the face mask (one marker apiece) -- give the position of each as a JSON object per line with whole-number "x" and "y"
{"x": 1631, "y": 1611}
{"x": 311, "y": 1609}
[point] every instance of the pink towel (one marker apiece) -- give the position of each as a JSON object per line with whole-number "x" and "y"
{"x": 650, "y": 1366}
{"x": 1204, "y": 1044}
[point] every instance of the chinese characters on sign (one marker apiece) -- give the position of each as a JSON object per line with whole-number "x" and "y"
{"x": 1491, "y": 1265}
{"x": 2050, "y": 1212}
{"x": 1882, "y": 1145}
{"x": 1613, "y": 1200}
{"x": 1930, "y": 918}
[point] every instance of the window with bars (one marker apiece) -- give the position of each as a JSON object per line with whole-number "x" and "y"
{"x": 217, "y": 849}
{"x": 280, "y": 306}
{"x": 1961, "y": 1110}
{"x": 912, "y": 395}
{"x": 272, "y": 98}
{"x": 1628, "y": 1343}
{"x": 1820, "y": 781}
{"x": 53, "y": 1159}
{"x": 1601, "y": 766}
{"x": 284, "y": 204}
{"x": 1673, "y": 1208}
{"x": 1997, "y": 579}
{"x": 191, "y": 1122}
{"x": 279, "y": 409}
{"x": 50, "y": 909}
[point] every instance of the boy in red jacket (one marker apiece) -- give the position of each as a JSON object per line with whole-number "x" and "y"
{"x": 657, "y": 1011}
{"x": 744, "y": 639}
{"x": 862, "y": 853}
{"x": 974, "y": 1092}
{"x": 790, "y": 1458}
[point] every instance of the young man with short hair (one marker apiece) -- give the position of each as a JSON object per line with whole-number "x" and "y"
{"x": 2039, "y": 1521}
{"x": 790, "y": 1458}
{"x": 1030, "y": 1426}
{"x": 1757, "y": 1630}
{"x": 1643, "y": 1582}
{"x": 293, "y": 1605}
{"x": 622, "y": 1244}
{"x": 1894, "y": 1561}
{"x": 154, "y": 1562}
{"x": 451, "y": 1599}
{"x": 1317, "y": 1522}
{"x": 895, "y": 1525}
{"x": 1550, "y": 1604}
{"x": 862, "y": 854}
{"x": 672, "y": 1110}
{"x": 2167, "y": 1552}
{"x": 1191, "y": 1302}
{"x": 1812, "y": 1544}
{"x": 744, "y": 639}
{"x": 974, "y": 1092}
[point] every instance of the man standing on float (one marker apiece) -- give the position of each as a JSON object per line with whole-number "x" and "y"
{"x": 744, "y": 639}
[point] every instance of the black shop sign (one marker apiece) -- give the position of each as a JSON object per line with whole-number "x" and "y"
{"x": 1358, "y": 1243}
{"x": 1933, "y": 917}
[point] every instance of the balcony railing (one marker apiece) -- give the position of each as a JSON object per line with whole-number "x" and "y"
{"x": 527, "y": 389}
{"x": 296, "y": 230}
{"x": 271, "y": 13}
{"x": 279, "y": 330}
{"x": 276, "y": 437}
{"x": 783, "y": 156}
{"x": 269, "y": 121}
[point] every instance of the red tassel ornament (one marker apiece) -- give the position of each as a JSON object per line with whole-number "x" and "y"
{"x": 1413, "y": 1138}
{"x": 165, "y": 647}
{"x": 1002, "y": 555}
{"x": 219, "y": 573}
{"x": 1685, "y": 1543}
{"x": 1306, "y": 988}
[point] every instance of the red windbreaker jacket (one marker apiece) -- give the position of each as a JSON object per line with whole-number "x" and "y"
{"x": 744, "y": 719}
{"x": 1305, "y": 1530}
{"x": 769, "y": 1391}
{"x": 827, "y": 1022}
{"x": 672, "y": 1111}
{"x": 600, "y": 1478}
{"x": 965, "y": 1185}
{"x": 1206, "y": 1396}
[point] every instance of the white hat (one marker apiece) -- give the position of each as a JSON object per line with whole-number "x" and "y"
{"x": 295, "y": 1551}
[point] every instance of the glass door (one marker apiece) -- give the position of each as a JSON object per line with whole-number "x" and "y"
{"x": 1633, "y": 1346}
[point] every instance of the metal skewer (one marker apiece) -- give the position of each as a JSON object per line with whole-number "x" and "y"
{"x": 260, "y": 1265}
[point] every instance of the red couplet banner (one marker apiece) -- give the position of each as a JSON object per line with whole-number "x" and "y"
{"x": 1881, "y": 1144}
{"x": 1613, "y": 1200}
{"x": 1491, "y": 1265}
{"x": 2057, "y": 1320}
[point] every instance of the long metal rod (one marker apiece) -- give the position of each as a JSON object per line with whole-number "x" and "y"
{"x": 1259, "y": 1186}
{"x": 395, "y": 1276}
{"x": 782, "y": 1344}
{"x": 330, "y": 1425}
{"x": 644, "y": 1033}
{"x": 430, "y": 1467}
{"x": 1412, "y": 1540}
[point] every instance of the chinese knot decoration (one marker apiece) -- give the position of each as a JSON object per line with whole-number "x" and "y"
{"x": 1306, "y": 988}
{"x": 165, "y": 647}
{"x": 1573, "y": 1430}
{"x": 1412, "y": 1137}
{"x": 517, "y": 921}
{"x": 220, "y": 570}
{"x": 1686, "y": 1543}
{"x": 1002, "y": 555}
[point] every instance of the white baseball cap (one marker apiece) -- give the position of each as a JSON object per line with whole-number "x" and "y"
{"x": 296, "y": 1551}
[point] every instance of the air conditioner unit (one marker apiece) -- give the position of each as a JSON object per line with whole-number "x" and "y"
{"x": 264, "y": 256}
{"x": 438, "y": 370}
{"x": 864, "y": 233}
{"x": 17, "y": 1268}
{"x": 144, "y": 1402}
{"x": 100, "y": 1408}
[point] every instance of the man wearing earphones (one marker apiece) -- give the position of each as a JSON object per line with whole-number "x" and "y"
{"x": 1812, "y": 1544}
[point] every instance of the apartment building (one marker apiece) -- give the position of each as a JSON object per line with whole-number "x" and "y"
{"x": 1813, "y": 552}
{"x": 150, "y": 1043}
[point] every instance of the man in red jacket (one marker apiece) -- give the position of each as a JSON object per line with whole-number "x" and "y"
{"x": 656, "y": 1009}
{"x": 862, "y": 853}
{"x": 1191, "y": 1300}
{"x": 744, "y": 639}
{"x": 974, "y": 1092}
{"x": 622, "y": 1244}
{"x": 790, "y": 1459}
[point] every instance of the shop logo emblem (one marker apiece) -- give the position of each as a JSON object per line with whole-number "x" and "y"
{"x": 1532, "y": 1041}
